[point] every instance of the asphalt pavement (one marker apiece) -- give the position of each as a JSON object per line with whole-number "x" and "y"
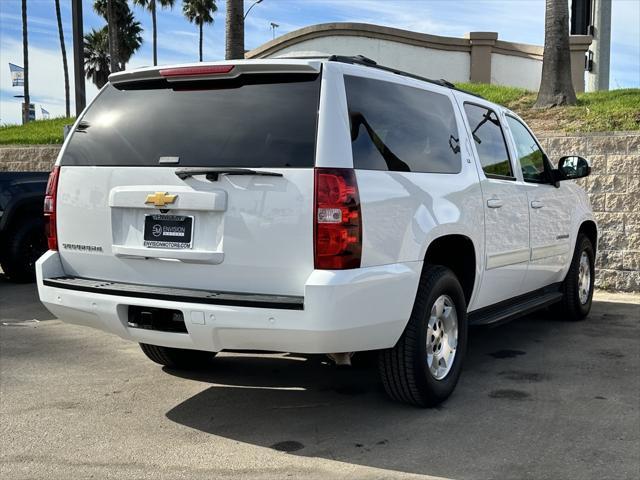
{"x": 539, "y": 398}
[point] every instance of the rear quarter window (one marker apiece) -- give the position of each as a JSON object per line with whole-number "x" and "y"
{"x": 400, "y": 128}
{"x": 253, "y": 121}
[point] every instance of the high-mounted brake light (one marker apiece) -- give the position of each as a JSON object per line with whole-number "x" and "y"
{"x": 50, "y": 199}
{"x": 337, "y": 222}
{"x": 196, "y": 71}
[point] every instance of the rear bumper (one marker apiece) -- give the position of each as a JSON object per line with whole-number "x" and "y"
{"x": 344, "y": 311}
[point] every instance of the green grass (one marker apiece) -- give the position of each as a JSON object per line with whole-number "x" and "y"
{"x": 496, "y": 93}
{"x": 595, "y": 112}
{"x": 604, "y": 111}
{"x": 33, "y": 133}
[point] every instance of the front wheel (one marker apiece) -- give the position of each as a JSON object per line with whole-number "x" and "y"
{"x": 424, "y": 366}
{"x": 578, "y": 284}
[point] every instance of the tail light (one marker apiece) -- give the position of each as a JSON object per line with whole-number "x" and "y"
{"x": 338, "y": 222}
{"x": 50, "y": 198}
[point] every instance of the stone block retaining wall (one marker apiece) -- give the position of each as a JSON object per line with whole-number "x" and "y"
{"x": 36, "y": 158}
{"x": 614, "y": 190}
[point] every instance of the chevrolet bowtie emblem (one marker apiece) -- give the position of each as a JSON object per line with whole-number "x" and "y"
{"x": 160, "y": 199}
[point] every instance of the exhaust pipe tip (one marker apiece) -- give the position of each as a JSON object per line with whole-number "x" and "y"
{"x": 341, "y": 359}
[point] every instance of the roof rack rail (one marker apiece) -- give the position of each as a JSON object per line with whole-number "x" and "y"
{"x": 362, "y": 60}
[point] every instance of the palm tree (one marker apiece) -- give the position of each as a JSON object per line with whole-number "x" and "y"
{"x": 25, "y": 59}
{"x": 113, "y": 21}
{"x": 556, "y": 87}
{"x": 151, "y": 6}
{"x": 234, "y": 28}
{"x": 64, "y": 59}
{"x": 96, "y": 56}
{"x": 130, "y": 34}
{"x": 128, "y": 31}
{"x": 97, "y": 62}
{"x": 199, "y": 12}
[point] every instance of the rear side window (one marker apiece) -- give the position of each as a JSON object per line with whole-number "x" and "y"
{"x": 252, "y": 121}
{"x": 489, "y": 140}
{"x": 400, "y": 128}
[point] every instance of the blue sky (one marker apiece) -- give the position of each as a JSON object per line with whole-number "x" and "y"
{"x": 515, "y": 20}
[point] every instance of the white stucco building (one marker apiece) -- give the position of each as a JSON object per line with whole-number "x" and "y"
{"x": 479, "y": 57}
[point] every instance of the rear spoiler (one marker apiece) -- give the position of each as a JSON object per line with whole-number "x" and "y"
{"x": 199, "y": 71}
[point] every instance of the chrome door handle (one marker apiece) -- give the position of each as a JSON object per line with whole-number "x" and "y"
{"x": 537, "y": 204}
{"x": 494, "y": 203}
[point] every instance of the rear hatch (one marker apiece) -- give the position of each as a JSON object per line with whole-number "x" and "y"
{"x": 194, "y": 178}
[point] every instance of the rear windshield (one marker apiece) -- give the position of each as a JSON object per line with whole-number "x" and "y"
{"x": 252, "y": 121}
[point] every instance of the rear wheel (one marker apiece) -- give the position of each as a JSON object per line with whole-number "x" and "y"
{"x": 23, "y": 245}
{"x": 424, "y": 366}
{"x": 177, "y": 357}
{"x": 578, "y": 284}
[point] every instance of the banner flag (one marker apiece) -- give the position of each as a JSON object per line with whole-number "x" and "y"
{"x": 45, "y": 114}
{"x": 17, "y": 75}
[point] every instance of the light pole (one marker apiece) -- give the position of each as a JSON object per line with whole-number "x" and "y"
{"x": 273, "y": 28}
{"x": 25, "y": 62}
{"x": 78, "y": 55}
{"x": 252, "y": 5}
{"x": 598, "y": 78}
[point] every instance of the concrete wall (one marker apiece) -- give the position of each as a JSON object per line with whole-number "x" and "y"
{"x": 479, "y": 57}
{"x": 433, "y": 63}
{"x": 515, "y": 71}
{"x": 613, "y": 186}
{"x": 31, "y": 158}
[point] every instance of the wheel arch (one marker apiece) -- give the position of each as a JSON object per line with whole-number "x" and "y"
{"x": 458, "y": 253}
{"x": 590, "y": 229}
{"x": 27, "y": 205}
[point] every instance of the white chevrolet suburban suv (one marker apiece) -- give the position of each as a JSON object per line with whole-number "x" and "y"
{"x": 312, "y": 206}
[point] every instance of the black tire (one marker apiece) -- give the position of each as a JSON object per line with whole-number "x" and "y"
{"x": 571, "y": 307}
{"x": 22, "y": 245}
{"x": 177, "y": 357}
{"x": 404, "y": 369}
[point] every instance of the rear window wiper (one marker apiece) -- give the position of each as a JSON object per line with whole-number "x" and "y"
{"x": 213, "y": 173}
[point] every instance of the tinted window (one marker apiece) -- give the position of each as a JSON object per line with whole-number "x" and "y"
{"x": 529, "y": 153}
{"x": 489, "y": 140}
{"x": 253, "y": 121}
{"x": 395, "y": 127}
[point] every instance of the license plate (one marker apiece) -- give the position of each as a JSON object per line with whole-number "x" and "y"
{"x": 168, "y": 231}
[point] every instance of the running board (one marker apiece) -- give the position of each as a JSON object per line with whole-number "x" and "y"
{"x": 516, "y": 307}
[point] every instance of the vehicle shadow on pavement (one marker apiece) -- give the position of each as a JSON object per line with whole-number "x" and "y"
{"x": 513, "y": 405}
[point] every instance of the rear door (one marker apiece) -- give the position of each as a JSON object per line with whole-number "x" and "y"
{"x": 505, "y": 206}
{"x": 203, "y": 183}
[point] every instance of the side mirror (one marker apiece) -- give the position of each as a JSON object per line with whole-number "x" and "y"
{"x": 572, "y": 167}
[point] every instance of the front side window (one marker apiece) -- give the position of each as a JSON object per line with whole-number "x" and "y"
{"x": 489, "y": 140}
{"x": 400, "y": 128}
{"x": 529, "y": 153}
